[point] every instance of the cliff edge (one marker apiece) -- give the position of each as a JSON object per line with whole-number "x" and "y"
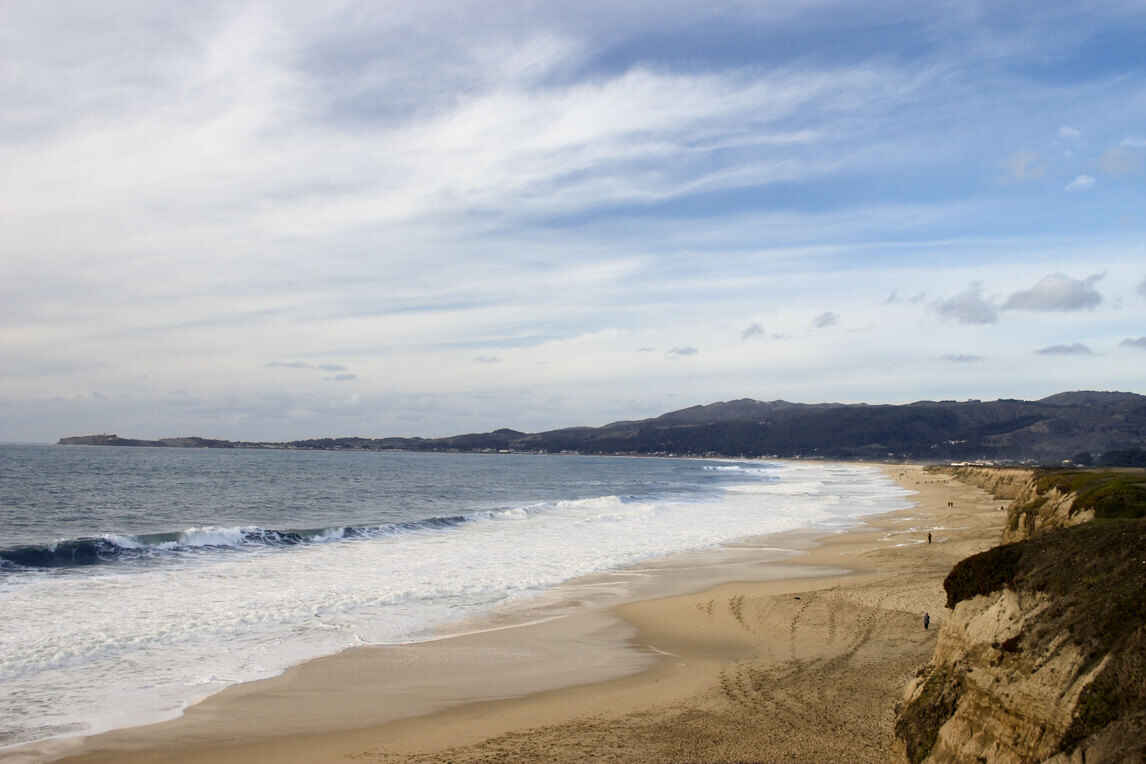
{"x": 1043, "y": 657}
{"x": 1063, "y": 498}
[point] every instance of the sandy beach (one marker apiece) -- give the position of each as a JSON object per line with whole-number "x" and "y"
{"x": 747, "y": 654}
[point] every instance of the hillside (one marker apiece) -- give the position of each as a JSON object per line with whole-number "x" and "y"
{"x": 1081, "y": 425}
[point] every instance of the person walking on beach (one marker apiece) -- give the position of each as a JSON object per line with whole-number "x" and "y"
{"x": 926, "y": 620}
{"x": 928, "y": 538}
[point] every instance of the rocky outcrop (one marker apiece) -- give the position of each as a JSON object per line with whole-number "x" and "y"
{"x": 1043, "y": 657}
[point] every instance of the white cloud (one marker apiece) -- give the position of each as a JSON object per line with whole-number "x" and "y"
{"x": 968, "y": 307}
{"x": 682, "y": 351}
{"x": 1069, "y": 133}
{"x": 1058, "y": 292}
{"x": 1138, "y": 342}
{"x": 403, "y": 191}
{"x": 1076, "y": 348}
{"x": 1080, "y": 183}
{"x": 1134, "y": 143}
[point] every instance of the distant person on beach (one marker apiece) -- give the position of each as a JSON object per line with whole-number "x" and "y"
{"x": 926, "y": 620}
{"x": 928, "y": 538}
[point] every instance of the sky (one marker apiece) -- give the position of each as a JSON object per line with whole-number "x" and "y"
{"x": 269, "y": 221}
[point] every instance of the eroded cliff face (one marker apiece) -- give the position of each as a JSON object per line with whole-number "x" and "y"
{"x": 1037, "y": 509}
{"x": 1006, "y": 702}
{"x": 1036, "y": 504}
{"x": 1000, "y": 482}
{"x": 1043, "y": 657}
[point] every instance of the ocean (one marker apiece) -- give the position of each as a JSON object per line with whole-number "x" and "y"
{"x": 155, "y": 577}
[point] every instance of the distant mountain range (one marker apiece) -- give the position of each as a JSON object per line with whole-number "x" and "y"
{"x": 1107, "y": 427}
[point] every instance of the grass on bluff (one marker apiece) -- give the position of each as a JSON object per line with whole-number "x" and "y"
{"x": 1110, "y": 493}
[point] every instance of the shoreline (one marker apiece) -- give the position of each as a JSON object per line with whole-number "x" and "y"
{"x": 464, "y": 692}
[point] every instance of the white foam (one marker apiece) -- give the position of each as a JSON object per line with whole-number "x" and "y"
{"x": 213, "y": 536}
{"x": 152, "y": 636}
{"x": 123, "y": 542}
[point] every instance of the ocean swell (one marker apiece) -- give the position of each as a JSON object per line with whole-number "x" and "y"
{"x": 112, "y": 548}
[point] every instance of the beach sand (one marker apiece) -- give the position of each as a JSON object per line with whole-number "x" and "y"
{"x": 766, "y": 657}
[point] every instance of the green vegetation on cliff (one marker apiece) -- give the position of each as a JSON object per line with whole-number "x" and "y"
{"x": 1111, "y": 494}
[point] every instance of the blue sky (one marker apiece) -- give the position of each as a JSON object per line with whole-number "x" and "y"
{"x": 273, "y": 220}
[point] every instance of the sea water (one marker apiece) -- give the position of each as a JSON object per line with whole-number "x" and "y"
{"x": 155, "y": 577}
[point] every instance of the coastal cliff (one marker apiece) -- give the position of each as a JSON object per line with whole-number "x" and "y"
{"x": 1043, "y": 656}
{"x": 1000, "y": 482}
{"x": 1064, "y": 498}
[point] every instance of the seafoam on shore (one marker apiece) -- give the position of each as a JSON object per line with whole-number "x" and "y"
{"x": 148, "y": 631}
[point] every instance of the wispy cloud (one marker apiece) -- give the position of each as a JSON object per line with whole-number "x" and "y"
{"x": 1058, "y": 292}
{"x": 682, "y": 351}
{"x": 1080, "y": 183}
{"x": 1024, "y": 165}
{"x": 1134, "y": 342}
{"x": 962, "y": 358}
{"x": 1122, "y": 160}
{"x": 336, "y": 190}
{"x": 487, "y": 359}
{"x": 305, "y": 365}
{"x": 826, "y": 319}
{"x": 754, "y": 329}
{"x": 1076, "y": 348}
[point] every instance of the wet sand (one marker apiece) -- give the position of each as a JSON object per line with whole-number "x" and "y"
{"x": 766, "y": 656}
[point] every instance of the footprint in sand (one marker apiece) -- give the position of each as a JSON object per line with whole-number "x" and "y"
{"x": 736, "y": 607}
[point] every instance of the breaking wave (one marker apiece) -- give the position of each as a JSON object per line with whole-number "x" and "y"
{"x": 111, "y": 548}
{"x": 114, "y": 548}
